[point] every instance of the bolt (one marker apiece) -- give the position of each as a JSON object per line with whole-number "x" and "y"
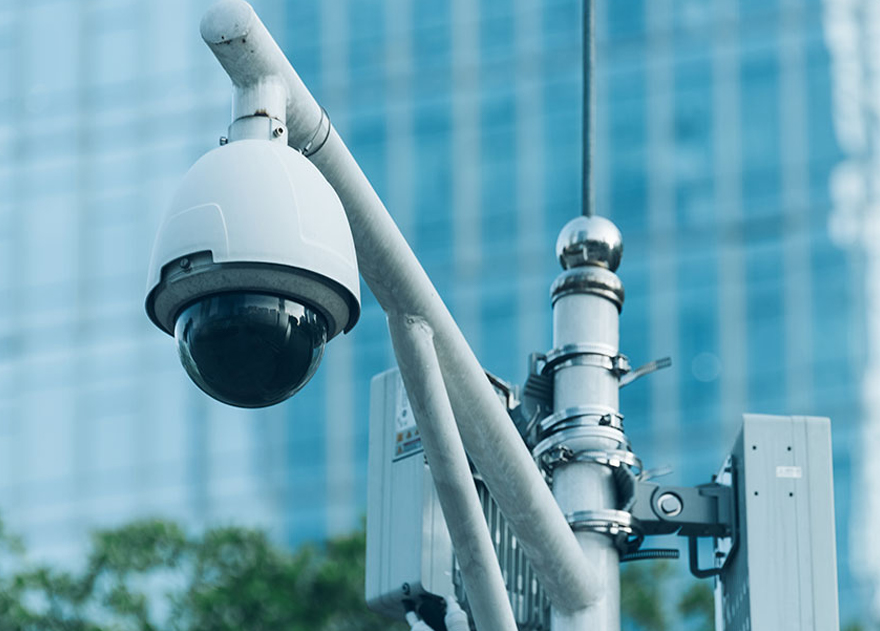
{"x": 405, "y": 588}
{"x": 185, "y": 263}
{"x": 278, "y": 131}
{"x": 223, "y": 140}
{"x": 670, "y": 504}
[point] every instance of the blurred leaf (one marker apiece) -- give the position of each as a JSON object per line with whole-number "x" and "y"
{"x": 138, "y": 547}
{"x": 642, "y": 595}
{"x": 698, "y": 605}
{"x": 647, "y": 588}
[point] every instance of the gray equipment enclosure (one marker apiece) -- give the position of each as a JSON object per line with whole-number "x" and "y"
{"x": 782, "y": 572}
{"x": 776, "y": 572}
{"x": 409, "y": 552}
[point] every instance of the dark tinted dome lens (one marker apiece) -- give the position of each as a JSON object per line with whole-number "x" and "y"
{"x": 250, "y": 350}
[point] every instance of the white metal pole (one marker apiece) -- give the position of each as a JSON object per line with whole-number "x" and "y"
{"x": 586, "y": 367}
{"x": 414, "y": 347}
{"x": 585, "y": 364}
{"x": 247, "y": 52}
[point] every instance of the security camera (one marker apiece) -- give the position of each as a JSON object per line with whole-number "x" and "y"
{"x": 253, "y": 271}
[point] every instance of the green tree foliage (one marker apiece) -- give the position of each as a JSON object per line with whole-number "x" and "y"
{"x": 698, "y": 604}
{"x": 649, "y": 590}
{"x": 152, "y": 576}
{"x": 647, "y": 594}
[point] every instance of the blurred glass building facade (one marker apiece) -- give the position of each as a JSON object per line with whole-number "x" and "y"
{"x": 719, "y": 137}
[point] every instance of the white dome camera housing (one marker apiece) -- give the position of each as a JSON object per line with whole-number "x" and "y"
{"x": 253, "y": 271}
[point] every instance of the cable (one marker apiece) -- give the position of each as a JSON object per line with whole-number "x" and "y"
{"x": 456, "y": 619}
{"x": 589, "y": 197}
{"x": 415, "y": 624}
{"x": 649, "y": 554}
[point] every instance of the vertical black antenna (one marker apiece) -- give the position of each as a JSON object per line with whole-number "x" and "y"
{"x": 589, "y": 198}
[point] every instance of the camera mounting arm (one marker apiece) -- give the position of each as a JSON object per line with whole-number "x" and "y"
{"x": 248, "y": 53}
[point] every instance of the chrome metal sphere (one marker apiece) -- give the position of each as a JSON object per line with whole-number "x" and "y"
{"x": 250, "y": 350}
{"x": 589, "y": 241}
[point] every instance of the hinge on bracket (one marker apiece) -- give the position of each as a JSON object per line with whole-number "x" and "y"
{"x": 707, "y": 510}
{"x": 701, "y": 511}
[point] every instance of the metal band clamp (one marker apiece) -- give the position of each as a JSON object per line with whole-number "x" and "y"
{"x": 581, "y": 439}
{"x": 600, "y": 355}
{"x": 571, "y": 417}
{"x": 319, "y": 137}
{"x": 624, "y": 530}
{"x": 614, "y": 458}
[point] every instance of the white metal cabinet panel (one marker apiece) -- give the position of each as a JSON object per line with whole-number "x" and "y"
{"x": 409, "y": 552}
{"x": 783, "y": 575}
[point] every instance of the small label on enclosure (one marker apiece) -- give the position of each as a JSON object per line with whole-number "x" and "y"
{"x": 406, "y": 436}
{"x": 788, "y": 472}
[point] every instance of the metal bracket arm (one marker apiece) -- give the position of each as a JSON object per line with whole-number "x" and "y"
{"x": 248, "y": 53}
{"x": 706, "y": 510}
{"x": 645, "y": 369}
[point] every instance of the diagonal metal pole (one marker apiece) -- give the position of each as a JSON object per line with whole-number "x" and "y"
{"x": 487, "y": 594}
